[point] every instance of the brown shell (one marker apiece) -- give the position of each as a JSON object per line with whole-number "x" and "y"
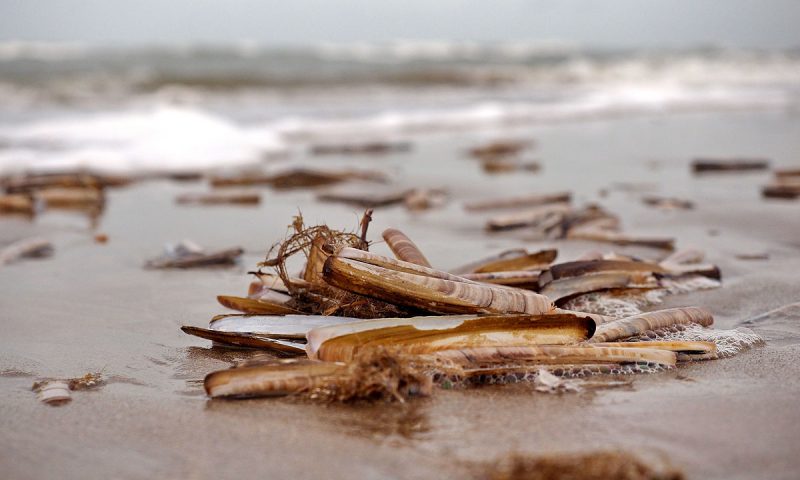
{"x": 271, "y": 379}
{"x": 422, "y": 335}
{"x": 430, "y": 294}
{"x": 488, "y": 357}
{"x": 403, "y": 248}
{"x": 251, "y": 305}
{"x": 249, "y": 340}
{"x": 645, "y": 322}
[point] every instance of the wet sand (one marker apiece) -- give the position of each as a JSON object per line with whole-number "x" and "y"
{"x": 91, "y": 307}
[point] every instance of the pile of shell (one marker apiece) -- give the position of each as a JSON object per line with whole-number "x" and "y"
{"x": 372, "y": 326}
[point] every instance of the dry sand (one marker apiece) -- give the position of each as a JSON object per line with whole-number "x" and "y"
{"x": 91, "y": 307}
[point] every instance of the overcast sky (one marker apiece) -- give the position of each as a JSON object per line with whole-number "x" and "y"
{"x": 606, "y": 23}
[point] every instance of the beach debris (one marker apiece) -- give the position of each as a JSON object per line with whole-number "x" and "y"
{"x": 499, "y": 148}
{"x": 495, "y": 165}
{"x": 709, "y": 165}
{"x": 546, "y": 382}
{"x": 372, "y": 198}
{"x": 58, "y": 392}
{"x": 369, "y": 148}
{"x": 510, "y": 260}
{"x": 53, "y": 392}
{"x": 187, "y": 254}
{"x": 367, "y": 326}
{"x": 752, "y": 256}
{"x": 519, "y": 201}
{"x": 414, "y": 199}
{"x": 600, "y": 465}
{"x": 300, "y": 177}
{"x": 785, "y": 185}
{"x": 421, "y": 199}
{"x": 77, "y": 180}
{"x": 218, "y": 199}
{"x": 17, "y": 203}
{"x": 668, "y": 203}
{"x": 33, "y": 247}
{"x": 788, "y": 192}
{"x": 70, "y": 198}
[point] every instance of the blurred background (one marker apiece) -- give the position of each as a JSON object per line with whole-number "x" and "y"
{"x": 147, "y": 85}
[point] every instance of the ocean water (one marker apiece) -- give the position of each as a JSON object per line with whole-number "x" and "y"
{"x": 182, "y": 108}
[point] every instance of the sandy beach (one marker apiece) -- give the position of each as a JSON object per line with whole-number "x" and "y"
{"x": 92, "y": 307}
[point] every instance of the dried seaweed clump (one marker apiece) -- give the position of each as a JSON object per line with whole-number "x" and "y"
{"x": 601, "y": 465}
{"x": 313, "y": 295}
{"x": 378, "y": 374}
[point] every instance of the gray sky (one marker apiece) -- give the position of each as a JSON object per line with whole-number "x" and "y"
{"x": 607, "y": 23}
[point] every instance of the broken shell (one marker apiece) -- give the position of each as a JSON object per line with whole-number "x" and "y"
{"x": 255, "y": 306}
{"x": 249, "y": 340}
{"x": 54, "y": 392}
{"x": 430, "y": 294}
{"x": 403, "y": 248}
{"x": 420, "y": 335}
{"x": 645, "y": 322}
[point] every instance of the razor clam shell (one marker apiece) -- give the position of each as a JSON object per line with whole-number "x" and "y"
{"x": 254, "y": 305}
{"x": 398, "y": 265}
{"x": 599, "y": 235}
{"x": 528, "y": 218}
{"x": 431, "y": 294}
{"x": 565, "y": 288}
{"x": 274, "y": 326}
{"x": 421, "y": 335}
{"x": 684, "y": 256}
{"x": 583, "y": 267}
{"x": 516, "y": 259}
{"x": 501, "y": 356}
{"x": 271, "y": 379}
{"x": 269, "y": 281}
{"x": 403, "y": 248}
{"x": 685, "y": 347}
{"x": 248, "y": 340}
{"x": 520, "y": 278}
{"x": 642, "y": 323}
{"x": 532, "y": 200}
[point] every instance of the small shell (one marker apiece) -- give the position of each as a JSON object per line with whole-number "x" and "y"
{"x": 54, "y": 392}
{"x": 254, "y": 306}
{"x": 403, "y": 248}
